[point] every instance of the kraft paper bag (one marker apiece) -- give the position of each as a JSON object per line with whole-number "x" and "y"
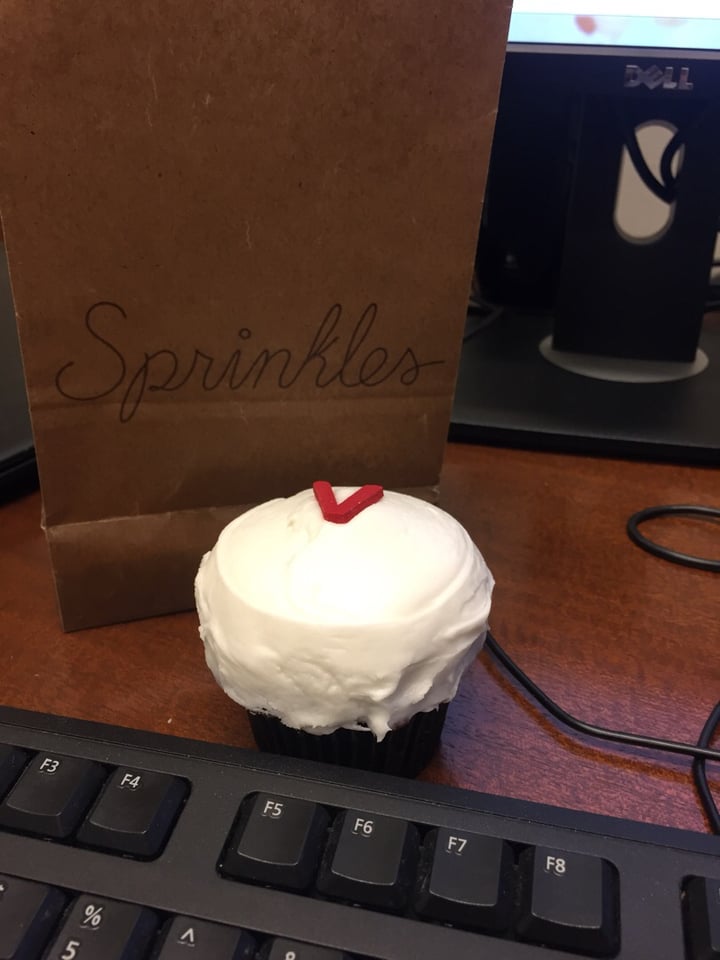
{"x": 240, "y": 238}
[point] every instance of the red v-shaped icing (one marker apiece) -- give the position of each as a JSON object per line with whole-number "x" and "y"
{"x": 348, "y": 508}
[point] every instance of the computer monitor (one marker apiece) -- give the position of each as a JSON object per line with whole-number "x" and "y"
{"x": 600, "y": 221}
{"x": 597, "y": 110}
{"x": 642, "y": 24}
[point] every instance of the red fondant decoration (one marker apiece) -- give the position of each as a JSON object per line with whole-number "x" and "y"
{"x": 351, "y": 506}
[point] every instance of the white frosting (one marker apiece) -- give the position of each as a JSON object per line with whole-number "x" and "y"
{"x": 328, "y": 625}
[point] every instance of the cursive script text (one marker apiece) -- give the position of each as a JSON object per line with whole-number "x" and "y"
{"x": 339, "y": 352}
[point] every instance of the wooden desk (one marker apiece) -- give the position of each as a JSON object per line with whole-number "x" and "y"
{"x": 615, "y": 635}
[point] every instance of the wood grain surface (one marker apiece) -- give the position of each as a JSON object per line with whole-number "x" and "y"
{"x": 615, "y": 635}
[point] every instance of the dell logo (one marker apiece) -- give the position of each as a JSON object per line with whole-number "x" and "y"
{"x": 654, "y": 77}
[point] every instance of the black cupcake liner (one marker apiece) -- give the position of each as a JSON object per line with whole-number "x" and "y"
{"x": 403, "y": 752}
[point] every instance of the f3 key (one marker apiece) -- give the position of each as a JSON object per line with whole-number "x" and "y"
{"x": 52, "y": 795}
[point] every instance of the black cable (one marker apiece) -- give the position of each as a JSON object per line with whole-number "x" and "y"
{"x": 699, "y": 752}
{"x": 619, "y": 736}
{"x": 700, "y": 773}
{"x": 667, "y": 553}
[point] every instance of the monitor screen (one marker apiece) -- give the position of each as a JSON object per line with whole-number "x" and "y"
{"x": 609, "y": 116}
{"x": 654, "y": 24}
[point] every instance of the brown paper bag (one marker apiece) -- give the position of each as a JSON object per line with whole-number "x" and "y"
{"x": 240, "y": 239}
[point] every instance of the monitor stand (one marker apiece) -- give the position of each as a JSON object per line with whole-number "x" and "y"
{"x": 509, "y": 393}
{"x": 620, "y": 369}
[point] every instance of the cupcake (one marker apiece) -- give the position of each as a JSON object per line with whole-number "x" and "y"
{"x": 342, "y": 619}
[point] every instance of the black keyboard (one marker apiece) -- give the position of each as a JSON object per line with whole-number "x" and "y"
{"x": 122, "y": 845}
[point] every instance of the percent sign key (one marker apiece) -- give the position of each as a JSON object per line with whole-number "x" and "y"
{"x": 103, "y": 930}
{"x": 93, "y": 915}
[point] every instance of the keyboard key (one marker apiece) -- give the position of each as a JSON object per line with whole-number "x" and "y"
{"x": 52, "y": 795}
{"x": 28, "y": 913}
{"x": 465, "y": 879}
{"x": 135, "y": 812}
{"x": 209, "y": 941}
{"x": 278, "y": 841}
{"x": 100, "y": 929}
{"x": 281, "y": 949}
{"x": 12, "y": 760}
{"x": 702, "y": 918}
{"x": 568, "y": 900}
{"x": 370, "y": 860}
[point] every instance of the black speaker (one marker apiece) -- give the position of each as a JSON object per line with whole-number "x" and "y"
{"x": 624, "y": 297}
